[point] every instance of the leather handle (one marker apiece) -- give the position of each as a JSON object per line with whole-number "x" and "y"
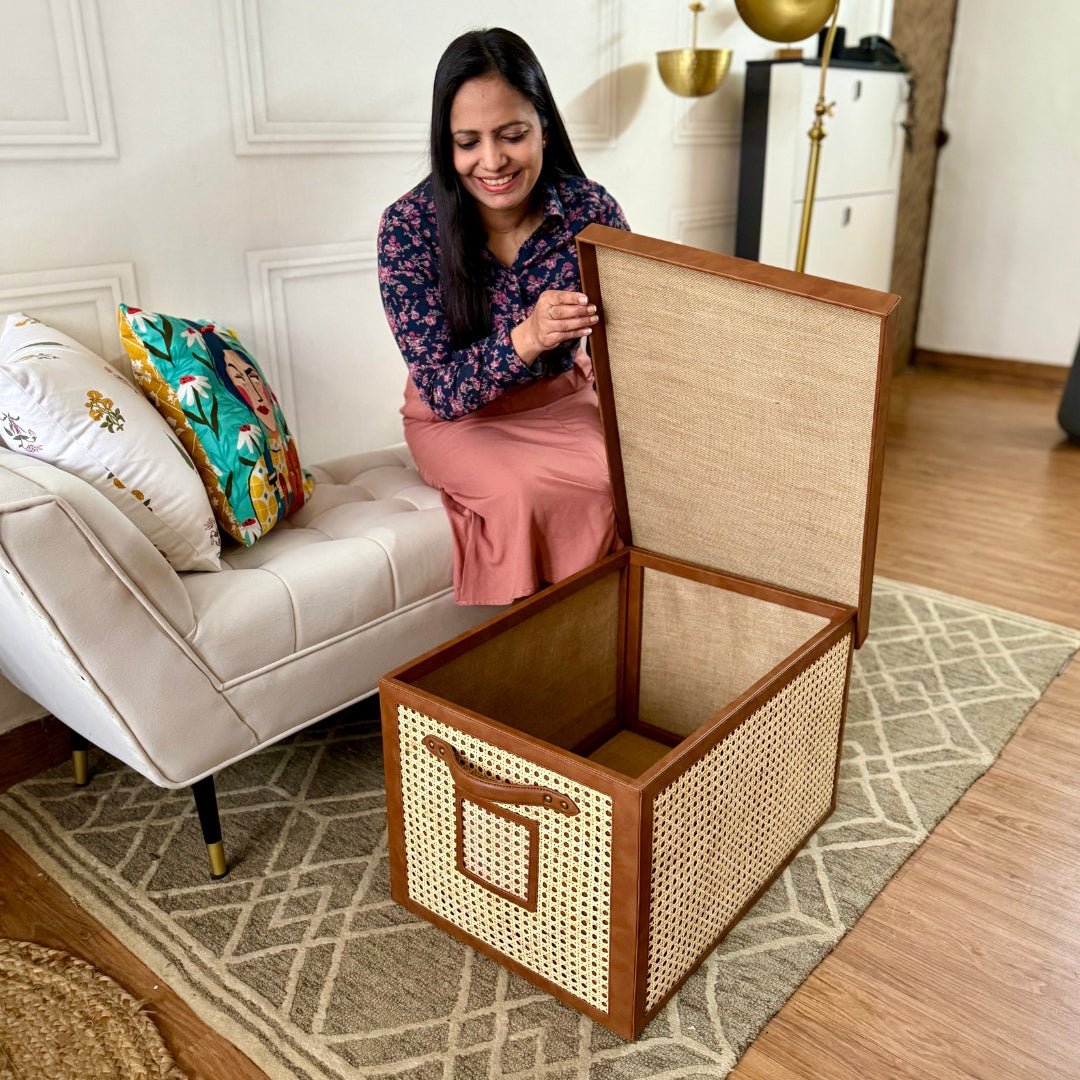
{"x": 496, "y": 790}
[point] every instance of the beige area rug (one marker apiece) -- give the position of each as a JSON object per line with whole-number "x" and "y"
{"x": 301, "y": 958}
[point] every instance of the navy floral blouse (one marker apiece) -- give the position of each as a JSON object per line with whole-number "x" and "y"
{"x": 455, "y": 382}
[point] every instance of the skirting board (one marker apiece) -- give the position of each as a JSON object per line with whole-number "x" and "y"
{"x": 31, "y": 748}
{"x": 986, "y": 367}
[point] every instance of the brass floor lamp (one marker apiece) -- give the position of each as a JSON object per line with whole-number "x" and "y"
{"x": 694, "y": 72}
{"x": 793, "y": 20}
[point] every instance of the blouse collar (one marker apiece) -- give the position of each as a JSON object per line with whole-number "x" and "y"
{"x": 553, "y": 206}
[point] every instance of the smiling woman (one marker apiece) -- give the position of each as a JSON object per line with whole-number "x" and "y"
{"x": 480, "y": 284}
{"x": 498, "y": 166}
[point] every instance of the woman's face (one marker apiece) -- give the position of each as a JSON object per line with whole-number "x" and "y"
{"x": 252, "y": 389}
{"x": 498, "y": 144}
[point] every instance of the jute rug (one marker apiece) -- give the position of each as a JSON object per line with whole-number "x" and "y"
{"x": 60, "y": 1019}
{"x": 301, "y": 958}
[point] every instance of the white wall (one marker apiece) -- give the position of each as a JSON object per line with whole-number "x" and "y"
{"x": 1003, "y": 264}
{"x": 229, "y": 159}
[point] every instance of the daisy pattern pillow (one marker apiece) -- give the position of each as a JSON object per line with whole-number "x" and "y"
{"x": 66, "y": 405}
{"x": 212, "y": 392}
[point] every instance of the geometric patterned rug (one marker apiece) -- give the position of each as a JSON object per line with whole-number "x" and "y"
{"x": 301, "y": 958}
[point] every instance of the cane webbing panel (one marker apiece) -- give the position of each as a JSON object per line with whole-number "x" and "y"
{"x": 701, "y": 647}
{"x": 566, "y": 939}
{"x": 745, "y": 416}
{"x": 730, "y": 821}
{"x": 552, "y": 676}
{"x": 495, "y": 848}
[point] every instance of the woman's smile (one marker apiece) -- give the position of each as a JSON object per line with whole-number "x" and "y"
{"x": 496, "y": 183}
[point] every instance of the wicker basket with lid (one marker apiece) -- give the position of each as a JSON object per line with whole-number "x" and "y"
{"x": 595, "y": 785}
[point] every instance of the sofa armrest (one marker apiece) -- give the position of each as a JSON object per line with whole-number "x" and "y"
{"x": 93, "y": 624}
{"x": 24, "y": 480}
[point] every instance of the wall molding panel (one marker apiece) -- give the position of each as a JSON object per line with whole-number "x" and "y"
{"x": 686, "y": 220}
{"x": 257, "y": 131}
{"x": 691, "y": 130}
{"x": 693, "y": 126}
{"x": 81, "y": 301}
{"x": 601, "y": 132}
{"x": 269, "y": 275}
{"x": 87, "y": 129}
{"x": 254, "y": 129}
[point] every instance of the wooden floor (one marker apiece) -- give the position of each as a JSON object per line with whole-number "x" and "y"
{"x": 968, "y": 962}
{"x": 967, "y": 965}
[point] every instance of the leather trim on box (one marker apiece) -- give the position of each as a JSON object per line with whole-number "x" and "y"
{"x": 877, "y": 470}
{"x": 480, "y": 787}
{"x": 840, "y": 293}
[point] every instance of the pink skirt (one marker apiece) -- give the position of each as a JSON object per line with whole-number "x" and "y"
{"x": 524, "y": 481}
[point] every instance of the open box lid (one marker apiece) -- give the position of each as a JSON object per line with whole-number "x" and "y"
{"x": 744, "y": 412}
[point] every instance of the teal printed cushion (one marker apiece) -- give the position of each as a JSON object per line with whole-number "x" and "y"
{"x": 213, "y": 394}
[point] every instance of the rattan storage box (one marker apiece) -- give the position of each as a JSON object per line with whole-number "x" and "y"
{"x": 595, "y": 785}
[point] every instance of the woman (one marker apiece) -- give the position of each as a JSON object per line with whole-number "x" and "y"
{"x": 480, "y": 283}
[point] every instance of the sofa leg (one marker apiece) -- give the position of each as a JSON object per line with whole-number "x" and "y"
{"x": 206, "y": 804}
{"x": 80, "y": 759}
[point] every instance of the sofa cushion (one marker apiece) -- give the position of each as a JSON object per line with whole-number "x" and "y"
{"x": 61, "y": 403}
{"x": 210, "y": 388}
{"x": 372, "y": 540}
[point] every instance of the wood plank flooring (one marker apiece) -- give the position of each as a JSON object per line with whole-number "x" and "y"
{"x": 980, "y": 495}
{"x": 34, "y": 908}
{"x": 967, "y": 965}
{"x": 968, "y": 962}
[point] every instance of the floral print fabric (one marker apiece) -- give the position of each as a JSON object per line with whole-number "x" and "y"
{"x": 65, "y": 405}
{"x": 455, "y": 382}
{"x": 211, "y": 391}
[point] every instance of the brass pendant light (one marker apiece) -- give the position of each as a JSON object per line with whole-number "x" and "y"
{"x": 785, "y": 20}
{"x": 693, "y": 72}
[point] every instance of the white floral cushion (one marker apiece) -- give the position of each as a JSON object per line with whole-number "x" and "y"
{"x": 64, "y": 404}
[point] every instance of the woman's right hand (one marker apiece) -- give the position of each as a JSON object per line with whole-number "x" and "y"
{"x": 557, "y": 317}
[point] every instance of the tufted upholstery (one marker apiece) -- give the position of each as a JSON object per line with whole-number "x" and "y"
{"x": 179, "y": 674}
{"x": 372, "y": 540}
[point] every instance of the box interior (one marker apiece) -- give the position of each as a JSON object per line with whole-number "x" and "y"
{"x": 564, "y": 676}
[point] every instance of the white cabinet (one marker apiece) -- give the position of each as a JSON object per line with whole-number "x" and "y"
{"x": 854, "y": 214}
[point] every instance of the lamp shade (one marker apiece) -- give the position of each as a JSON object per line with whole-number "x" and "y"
{"x": 693, "y": 72}
{"x": 785, "y": 20}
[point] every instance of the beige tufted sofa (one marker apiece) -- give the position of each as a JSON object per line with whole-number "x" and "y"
{"x": 180, "y": 674}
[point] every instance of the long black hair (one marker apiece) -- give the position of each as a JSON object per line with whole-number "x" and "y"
{"x": 474, "y": 55}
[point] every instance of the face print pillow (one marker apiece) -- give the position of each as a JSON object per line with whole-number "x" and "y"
{"x": 213, "y": 394}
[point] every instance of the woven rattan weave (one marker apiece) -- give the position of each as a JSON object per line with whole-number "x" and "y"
{"x": 730, "y": 821}
{"x": 574, "y": 884}
{"x": 497, "y": 848}
{"x": 60, "y": 1019}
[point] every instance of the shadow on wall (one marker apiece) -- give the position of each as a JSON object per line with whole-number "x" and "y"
{"x": 628, "y": 84}
{"x": 702, "y": 158}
